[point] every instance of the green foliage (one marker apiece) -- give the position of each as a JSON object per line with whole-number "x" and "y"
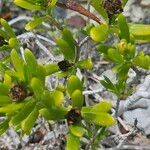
{"x": 124, "y": 29}
{"x": 142, "y": 60}
{"x": 97, "y": 4}
{"x": 99, "y": 33}
{"x": 77, "y": 99}
{"x": 67, "y": 45}
{"x": 98, "y": 114}
{"x": 73, "y": 142}
{"x": 28, "y": 123}
{"x": 51, "y": 68}
{"x": 24, "y": 94}
{"x": 77, "y": 130}
{"x": 34, "y": 23}
{"x": 140, "y": 32}
{"x": 74, "y": 84}
{"x": 85, "y": 64}
{"x": 7, "y": 28}
{"x": 37, "y": 87}
{"x": 30, "y": 5}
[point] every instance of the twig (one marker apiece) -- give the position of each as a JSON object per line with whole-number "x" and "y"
{"x": 44, "y": 49}
{"x": 124, "y": 138}
{"x": 19, "y": 18}
{"x": 117, "y": 108}
{"x": 25, "y": 18}
{"x": 92, "y": 92}
{"x": 84, "y": 41}
{"x": 30, "y": 34}
{"x": 78, "y": 8}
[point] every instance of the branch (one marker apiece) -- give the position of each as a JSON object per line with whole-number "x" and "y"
{"x": 80, "y": 9}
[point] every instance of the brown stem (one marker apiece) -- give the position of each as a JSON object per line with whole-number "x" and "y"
{"x": 78, "y": 8}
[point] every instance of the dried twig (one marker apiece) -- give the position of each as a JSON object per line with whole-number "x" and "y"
{"x": 78, "y": 8}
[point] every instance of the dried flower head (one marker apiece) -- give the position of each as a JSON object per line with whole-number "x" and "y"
{"x": 73, "y": 116}
{"x": 112, "y": 7}
{"x": 64, "y": 65}
{"x": 18, "y": 93}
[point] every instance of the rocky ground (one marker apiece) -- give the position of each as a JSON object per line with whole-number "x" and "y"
{"x": 51, "y": 136}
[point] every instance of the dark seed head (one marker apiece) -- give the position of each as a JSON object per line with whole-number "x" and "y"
{"x": 112, "y": 7}
{"x": 64, "y": 65}
{"x": 18, "y": 93}
{"x": 73, "y": 116}
{"x": 36, "y": 137}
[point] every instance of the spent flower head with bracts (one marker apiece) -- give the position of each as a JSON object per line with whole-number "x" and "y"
{"x": 64, "y": 65}
{"x": 18, "y": 93}
{"x": 113, "y": 7}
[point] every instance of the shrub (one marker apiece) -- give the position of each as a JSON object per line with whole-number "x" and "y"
{"x": 23, "y": 94}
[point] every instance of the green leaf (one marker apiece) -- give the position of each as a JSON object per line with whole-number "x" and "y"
{"x": 5, "y": 47}
{"x": 54, "y": 98}
{"x": 77, "y": 99}
{"x": 47, "y": 98}
{"x": 58, "y": 97}
{"x": 104, "y": 119}
{"x": 66, "y": 49}
{"x": 54, "y": 113}
{"x": 114, "y": 55}
{"x": 122, "y": 71}
{"x": 27, "y": 74}
{"x": 99, "y": 33}
{"x": 124, "y": 2}
{"x": 68, "y": 73}
{"x": 11, "y": 108}
{"x": 4, "y": 126}
{"x": 29, "y": 122}
{"x": 4, "y": 90}
{"x": 23, "y": 113}
{"x": 68, "y": 37}
{"x": 13, "y": 43}
{"x": 7, "y": 28}
{"x": 17, "y": 63}
{"x": 140, "y": 32}
{"x": 34, "y": 23}
{"x": 27, "y": 5}
{"x": 37, "y": 87}
{"x": 85, "y": 64}
{"x": 124, "y": 29}
{"x": 5, "y": 100}
{"x": 97, "y": 4}
{"x": 76, "y": 130}
{"x": 97, "y": 117}
{"x": 142, "y": 60}
{"x": 98, "y": 114}
{"x": 4, "y": 34}
{"x": 7, "y": 80}
{"x": 61, "y": 88}
{"x": 103, "y": 48}
{"x": 51, "y": 68}
{"x": 103, "y": 106}
{"x": 40, "y": 72}
{"x": 73, "y": 142}
{"x": 52, "y": 3}
{"x": 30, "y": 60}
{"x": 73, "y": 84}
{"x": 108, "y": 84}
